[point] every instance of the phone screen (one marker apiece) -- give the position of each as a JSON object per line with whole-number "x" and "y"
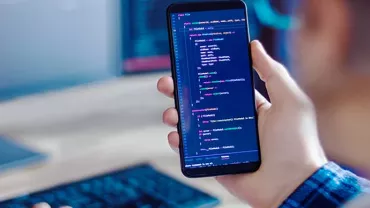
{"x": 215, "y": 92}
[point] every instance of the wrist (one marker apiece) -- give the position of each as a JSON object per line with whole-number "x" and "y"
{"x": 296, "y": 177}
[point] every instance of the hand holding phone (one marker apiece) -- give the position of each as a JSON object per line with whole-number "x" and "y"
{"x": 290, "y": 146}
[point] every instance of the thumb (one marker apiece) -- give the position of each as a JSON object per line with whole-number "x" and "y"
{"x": 280, "y": 86}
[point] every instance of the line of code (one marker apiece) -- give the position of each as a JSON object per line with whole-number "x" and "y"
{"x": 215, "y": 88}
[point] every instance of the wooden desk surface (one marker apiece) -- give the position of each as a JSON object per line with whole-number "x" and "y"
{"x": 93, "y": 129}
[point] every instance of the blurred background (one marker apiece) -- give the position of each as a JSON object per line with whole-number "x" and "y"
{"x": 78, "y": 82}
{"x": 48, "y": 45}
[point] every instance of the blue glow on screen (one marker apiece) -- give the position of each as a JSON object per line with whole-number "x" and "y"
{"x": 215, "y": 88}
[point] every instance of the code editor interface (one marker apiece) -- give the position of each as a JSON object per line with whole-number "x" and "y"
{"x": 215, "y": 88}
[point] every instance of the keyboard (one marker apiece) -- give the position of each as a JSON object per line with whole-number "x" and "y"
{"x": 139, "y": 186}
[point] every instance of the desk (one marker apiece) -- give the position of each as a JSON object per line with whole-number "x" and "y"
{"x": 92, "y": 129}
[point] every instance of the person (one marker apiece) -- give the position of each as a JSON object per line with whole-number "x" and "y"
{"x": 332, "y": 58}
{"x": 291, "y": 152}
{"x": 331, "y": 53}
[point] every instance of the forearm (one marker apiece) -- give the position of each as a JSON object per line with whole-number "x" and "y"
{"x": 330, "y": 186}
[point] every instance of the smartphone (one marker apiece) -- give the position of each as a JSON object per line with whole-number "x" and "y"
{"x": 214, "y": 88}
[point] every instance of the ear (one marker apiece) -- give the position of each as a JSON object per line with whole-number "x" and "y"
{"x": 329, "y": 21}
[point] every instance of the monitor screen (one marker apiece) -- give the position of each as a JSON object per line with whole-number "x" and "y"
{"x": 51, "y": 45}
{"x": 145, "y": 40}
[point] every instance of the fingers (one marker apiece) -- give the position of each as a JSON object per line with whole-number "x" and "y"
{"x": 174, "y": 140}
{"x": 266, "y": 66}
{"x": 165, "y": 85}
{"x": 261, "y": 101}
{"x": 170, "y": 117}
{"x": 279, "y": 84}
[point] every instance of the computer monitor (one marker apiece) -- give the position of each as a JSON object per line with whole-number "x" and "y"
{"x": 145, "y": 42}
{"x": 47, "y": 45}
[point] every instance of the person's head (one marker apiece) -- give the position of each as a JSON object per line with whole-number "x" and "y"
{"x": 332, "y": 51}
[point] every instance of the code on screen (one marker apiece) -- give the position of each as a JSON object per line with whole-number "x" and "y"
{"x": 215, "y": 90}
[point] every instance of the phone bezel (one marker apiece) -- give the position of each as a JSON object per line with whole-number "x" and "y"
{"x": 215, "y": 170}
